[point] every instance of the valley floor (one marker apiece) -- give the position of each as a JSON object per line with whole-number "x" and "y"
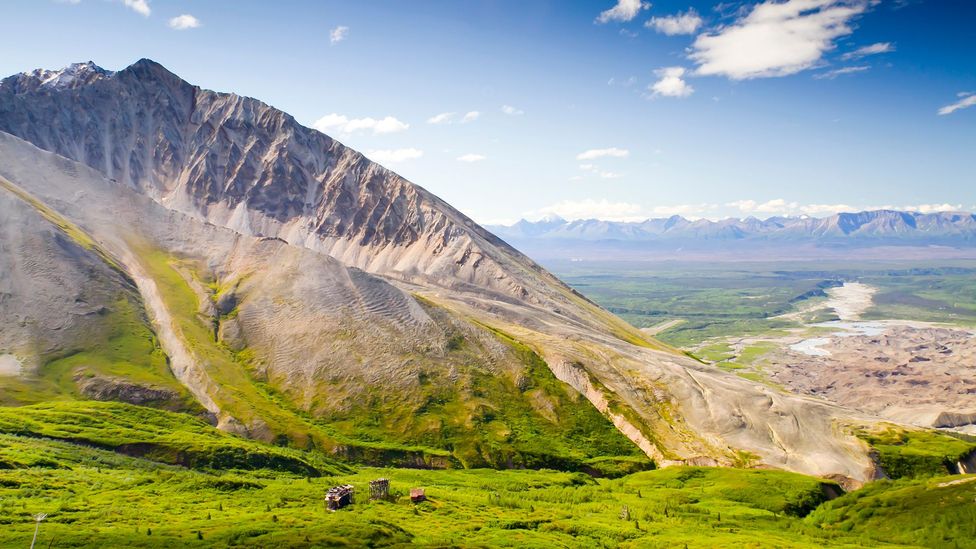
{"x": 891, "y": 339}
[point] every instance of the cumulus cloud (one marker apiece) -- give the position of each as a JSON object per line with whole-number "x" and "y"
{"x": 593, "y": 154}
{"x": 776, "y": 38}
{"x": 966, "y": 100}
{"x": 471, "y": 157}
{"x": 830, "y": 75}
{"x": 624, "y": 11}
{"x": 512, "y": 111}
{"x": 591, "y": 209}
{"x": 139, "y": 6}
{"x": 873, "y": 49}
{"x": 184, "y": 22}
{"x": 933, "y": 208}
{"x": 470, "y": 116}
{"x": 338, "y": 34}
{"x": 393, "y": 156}
{"x": 338, "y": 123}
{"x": 442, "y": 118}
{"x": 671, "y": 83}
{"x": 681, "y": 23}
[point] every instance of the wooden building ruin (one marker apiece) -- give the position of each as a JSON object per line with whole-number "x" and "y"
{"x": 379, "y": 488}
{"x": 338, "y": 497}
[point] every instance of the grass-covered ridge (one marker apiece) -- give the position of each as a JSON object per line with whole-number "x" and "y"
{"x": 932, "y": 512}
{"x": 909, "y": 453}
{"x": 156, "y": 435}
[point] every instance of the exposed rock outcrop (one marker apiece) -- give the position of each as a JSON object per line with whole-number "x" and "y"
{"x": 121, "y": 390}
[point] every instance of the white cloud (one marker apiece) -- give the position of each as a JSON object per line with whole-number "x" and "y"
{"x": 139, "y": 6}
{"x": 338, "y": 123}
{"x": 610, "y": 175}
{"x": 873, "y": 49}
{"x": 933, "y": 208}
{"x": 966, "y": 100}
{"x": 442, "y": 118}
{"x": 671, "y": 83}
{"x": 512, "y": 111}
{"x": 780, "y": 206}
{"x": 776, "y": 38}
{"x": 593, "y": 154}
{"x": 183, "y": 22}
{"x": 587, "y": 167}
{"x": 671, "y": 25}
{"x": 690, "y": 211}
{"x": 393, "y": 156}
{"x": 338, "y": 34}
{"x": 830, "y": 75}
{"x": 471, "y": 157}
{"x": 591, "y": 209}
{"x": 627, "y": 82}
{"x": 625, "y": 10}
{"x": 445, "y": 118}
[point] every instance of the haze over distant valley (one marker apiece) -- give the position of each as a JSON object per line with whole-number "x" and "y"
{"x": 879, "y": 234}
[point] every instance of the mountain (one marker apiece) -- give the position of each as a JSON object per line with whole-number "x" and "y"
{"x": 784, "y": 237}
{"x": 879, "y": 224}
{"x": 206, "y": 253}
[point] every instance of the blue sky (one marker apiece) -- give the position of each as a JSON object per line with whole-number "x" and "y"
{"x": 614, "y": 109}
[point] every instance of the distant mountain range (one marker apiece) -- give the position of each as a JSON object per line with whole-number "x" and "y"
{"x": 946, "y": 234}
{"x": 870, "y": 224}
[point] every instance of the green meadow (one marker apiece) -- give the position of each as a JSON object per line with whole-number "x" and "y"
{"x": 116, "y": 475}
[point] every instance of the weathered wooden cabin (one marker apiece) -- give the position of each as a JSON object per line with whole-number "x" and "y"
{"x": 379, "y": 488}
{"x": 338, "y": 497}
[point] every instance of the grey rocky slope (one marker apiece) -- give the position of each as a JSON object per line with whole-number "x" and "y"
{"x": 270, "y": 223}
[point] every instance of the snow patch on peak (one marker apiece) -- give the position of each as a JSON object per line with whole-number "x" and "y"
{"x": 72, "y": 76}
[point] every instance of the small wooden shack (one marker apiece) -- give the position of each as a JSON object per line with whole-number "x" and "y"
{"x": 338, "y": 497}
{"x": 379, "y": 488}
{"x": 417, "y": 495}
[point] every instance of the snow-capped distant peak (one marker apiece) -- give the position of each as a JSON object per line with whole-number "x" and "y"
{"x": 72, "y": 76}
{"x": 551, "y": 218}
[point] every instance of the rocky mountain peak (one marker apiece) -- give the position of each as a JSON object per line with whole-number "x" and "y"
{"x": 73, "y": 76}
{"x": 239, "y": 163}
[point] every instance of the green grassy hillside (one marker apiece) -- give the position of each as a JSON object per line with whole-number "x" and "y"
{"x": 904, "y": 453}
{"x": 155, "y": 435}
